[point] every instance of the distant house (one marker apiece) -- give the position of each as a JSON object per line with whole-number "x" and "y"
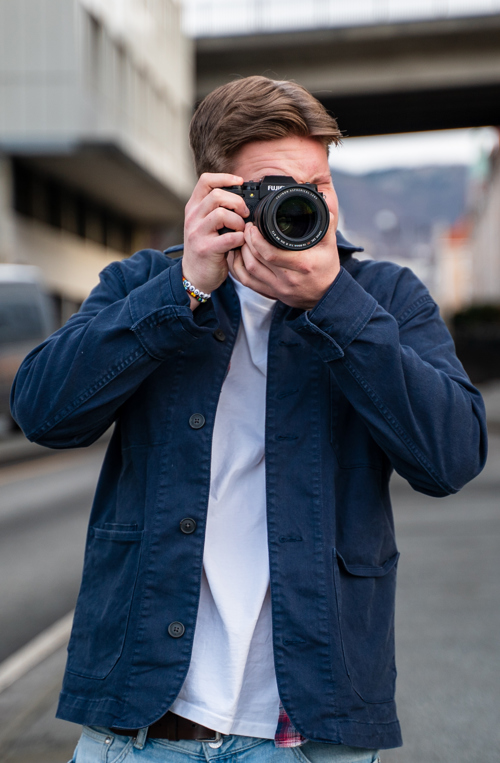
{"x": 485, "y": 238}
{"x": 467, "y": 253}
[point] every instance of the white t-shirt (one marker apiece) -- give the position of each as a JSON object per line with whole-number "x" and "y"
{"x": 231, "y": 683}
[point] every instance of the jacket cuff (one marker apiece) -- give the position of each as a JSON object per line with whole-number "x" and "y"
{"x": 337, "y": 319}
{"x": 162, "y": 318}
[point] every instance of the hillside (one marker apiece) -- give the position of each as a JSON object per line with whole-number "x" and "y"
{"x": 394, "y": 212}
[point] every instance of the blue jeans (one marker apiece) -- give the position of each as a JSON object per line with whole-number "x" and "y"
{"x": 100, "y": 745}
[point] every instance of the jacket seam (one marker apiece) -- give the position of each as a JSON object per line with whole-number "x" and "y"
{"x": 398, "y": 429}
{"x": 412, "y": 309}
{"x": 89, "y": 700}
{"x": 360, "y": 324}
{"x": 90, "y": 392}
{"x": 117, "y": 271}
{"x": 349, "y": 337}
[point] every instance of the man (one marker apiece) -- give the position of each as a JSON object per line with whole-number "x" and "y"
{"x": 240, "y": 565}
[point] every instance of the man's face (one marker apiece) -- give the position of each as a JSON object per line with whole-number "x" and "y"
{"x": 304, "y": 159}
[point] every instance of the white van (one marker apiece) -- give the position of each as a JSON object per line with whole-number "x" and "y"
{"x": 26, "y": 318}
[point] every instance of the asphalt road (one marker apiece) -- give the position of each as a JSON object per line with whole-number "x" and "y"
{"x": 448, "y": 622}
{"x": 44, "y": 510}
{"x": 448, "y": 606}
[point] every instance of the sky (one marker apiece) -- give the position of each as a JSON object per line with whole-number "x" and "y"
{"x": 358, "y": 155}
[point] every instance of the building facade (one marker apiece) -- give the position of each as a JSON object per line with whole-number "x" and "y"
{"x": 485, "y": 244}
{"x": 466, "y": 266}
{"x": 95, "y": 102}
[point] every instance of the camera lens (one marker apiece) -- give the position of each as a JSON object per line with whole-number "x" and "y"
{"x": 293, "y": 217}
{"x": 296, "y": 217}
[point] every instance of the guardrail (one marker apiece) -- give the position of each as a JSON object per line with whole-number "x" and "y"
{"x": 210, "y": 18}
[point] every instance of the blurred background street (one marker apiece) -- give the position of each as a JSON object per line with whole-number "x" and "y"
{"x": 43, "y": 517}
{"x": 95, "y": 102}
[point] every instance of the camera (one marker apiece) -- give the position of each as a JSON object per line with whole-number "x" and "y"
{"x": 290, "y": 215}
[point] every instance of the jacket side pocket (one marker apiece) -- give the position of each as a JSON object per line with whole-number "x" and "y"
{"x": 365, "y": 600}
{"x": 103, "y": 607}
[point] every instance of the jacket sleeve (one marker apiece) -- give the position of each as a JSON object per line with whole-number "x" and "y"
{"x": 68, "y": 390}
{"x": 397, "y": 367}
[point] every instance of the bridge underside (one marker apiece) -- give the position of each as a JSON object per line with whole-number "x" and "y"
{"x": 379, "y": 79}
{"x": 414, "y": 111}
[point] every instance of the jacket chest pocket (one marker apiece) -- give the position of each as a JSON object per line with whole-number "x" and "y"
{"x": 365, "y": 602}
{"x": 103, "y": 607}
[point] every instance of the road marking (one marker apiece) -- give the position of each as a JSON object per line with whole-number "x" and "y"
{"x": 31, "y": 655}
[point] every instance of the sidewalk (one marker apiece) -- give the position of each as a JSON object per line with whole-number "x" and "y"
{"x": 29, "y": 732}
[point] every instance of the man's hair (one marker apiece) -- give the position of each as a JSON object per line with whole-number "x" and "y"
{"x": 253, "y": 109}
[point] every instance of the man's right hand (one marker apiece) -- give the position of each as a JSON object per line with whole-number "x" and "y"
{"x": 208, "y": 210}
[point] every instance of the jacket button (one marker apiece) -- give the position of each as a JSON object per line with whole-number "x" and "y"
{"x": 219, "y": 335}
{"x": 187, "y": 525}
{"x": 197, "y": 421}
{"x": 176, "y": 630}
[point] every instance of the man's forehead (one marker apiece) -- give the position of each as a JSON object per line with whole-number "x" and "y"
{"x": 304, "y": 158}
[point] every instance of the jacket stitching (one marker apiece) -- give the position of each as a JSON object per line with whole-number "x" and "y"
{"x": 118, "y": 272}
{"x": 413, "y": 308}
{"x": 90, "y": 392}
{"x": 398, "y": 429}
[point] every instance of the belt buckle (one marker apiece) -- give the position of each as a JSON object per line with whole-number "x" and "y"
{"x": 214, "y": 741}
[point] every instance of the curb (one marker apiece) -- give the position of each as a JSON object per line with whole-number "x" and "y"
{"x": 37, "y": 650}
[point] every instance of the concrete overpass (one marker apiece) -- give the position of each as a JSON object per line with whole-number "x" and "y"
{"x": 383, "y": 78}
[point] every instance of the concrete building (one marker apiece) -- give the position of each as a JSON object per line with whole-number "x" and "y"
{"x": 95, "y": 101}
{"x": 485, "y": 240}
{"x": 466, "y": 263}
{"x": 451, "y": 276}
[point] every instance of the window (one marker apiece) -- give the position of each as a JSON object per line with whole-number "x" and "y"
{"x": 54, "y": 203}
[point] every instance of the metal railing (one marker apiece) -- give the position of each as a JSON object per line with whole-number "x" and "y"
{"x": 210, "y": 18}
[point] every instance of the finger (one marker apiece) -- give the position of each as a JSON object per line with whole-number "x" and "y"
{"x": 215, "y": 244}
{"x": 227, "y": 242}
{"x": 266, "y": 253}
{"x": 211, "y": 180}
{"x": 255, "y": 267}
{"x": 239, "y": 271}
{"x": 220, "y": 218}
{"x": 219, "y": 198}
{"x": 205, "y": 239}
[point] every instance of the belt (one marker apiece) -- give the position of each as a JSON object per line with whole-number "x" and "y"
{"x": 174, "y": 728}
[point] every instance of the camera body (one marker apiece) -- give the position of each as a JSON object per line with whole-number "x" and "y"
{"x": 290, "y": 215}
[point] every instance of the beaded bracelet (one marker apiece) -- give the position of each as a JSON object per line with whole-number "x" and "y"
{"x": 193, "y": 292}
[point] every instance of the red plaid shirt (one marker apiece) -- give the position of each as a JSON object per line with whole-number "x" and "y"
{"x": 286, "y": 735}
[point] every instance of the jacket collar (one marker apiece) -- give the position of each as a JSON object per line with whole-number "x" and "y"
{"x": 346, "y": 249}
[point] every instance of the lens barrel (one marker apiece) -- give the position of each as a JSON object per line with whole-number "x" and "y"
{"x": 294, "y": 217}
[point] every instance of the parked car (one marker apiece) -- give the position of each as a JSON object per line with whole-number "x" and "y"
{"x": 26, "y": 318}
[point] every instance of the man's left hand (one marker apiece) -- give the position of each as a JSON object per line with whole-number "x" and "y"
{"x": 298, "y": 279}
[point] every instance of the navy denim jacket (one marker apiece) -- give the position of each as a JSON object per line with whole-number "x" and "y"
{"x": 364, "y": 383}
